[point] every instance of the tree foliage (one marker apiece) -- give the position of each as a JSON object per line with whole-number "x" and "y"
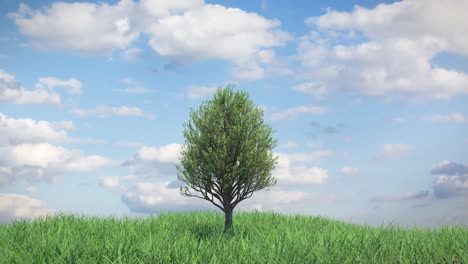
{"x": 227, "y": 153}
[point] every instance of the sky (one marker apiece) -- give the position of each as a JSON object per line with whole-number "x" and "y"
{"x": 368, "y": 101}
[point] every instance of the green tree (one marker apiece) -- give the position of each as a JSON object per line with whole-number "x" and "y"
{"x": 227, "y": 153}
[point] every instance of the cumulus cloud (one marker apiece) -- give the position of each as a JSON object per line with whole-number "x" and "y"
{"x": 293, "y": 112}
{"x": 43, "y": 162}
{"x": 453, "y": 179}
{"x": 401, "y": 39}
{"x": 26, "y": 151}
{"x": 115, "y": 182}
{"x": 12, "y": 92}
{"x": 214, "y": 31}
{"x": 24, "y": 130}
{"x": 155, "y": 161}
{"x": 394, "y": 151}
{"x": 107, "y": 111}
{"x": 318, "y": 90}
{"x": 451, "y": 182}
{"x": 182, "y": 31}
{"x": 86, "y": 27}
{"x": 453, "y": 117}
{"x": 289, "y": 174}
{"x": 15, "y": 207}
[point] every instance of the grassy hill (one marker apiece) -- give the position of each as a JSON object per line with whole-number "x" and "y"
{"x": 197, "y": 237}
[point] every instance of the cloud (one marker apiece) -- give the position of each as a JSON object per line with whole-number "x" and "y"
{"x": 131, "y": 54}
{"x": 133, "y": 87}
{"x": 73, "y": 85}
{"x": 390, "y": 50}
{"x": 349, "y": 170}
{"x": 106, "y": 111}
{"x": 115, "y": 182}
{"x": 410, "y": 196}
{"x": 289, "y": 174}
{"x": 453, "y": 179}
{"x": 15, "y": 207}
{"x": 318, "y": 90}
{"x": 453, "y": 117}
{"x": 394, "y": 151}
{"x": 449, "y": 168}
{"x": 217, "y": 32}
{"x": 293, "y": 112}
{"x": 87, "y": 27}
{"x": 199, "y": 92}
{"x": 43, "y": 162}
{"x": 181, "y": 31}
{"x": 12, "y": 92}
{"x": 453, "y": 182}
{"x": 155, "y": 161}
{"x": 26, "y": 151}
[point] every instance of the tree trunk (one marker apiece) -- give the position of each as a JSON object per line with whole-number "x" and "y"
{"x": 228, "y": 219}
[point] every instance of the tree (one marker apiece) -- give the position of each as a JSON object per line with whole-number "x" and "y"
{"x": 227, "y": 153}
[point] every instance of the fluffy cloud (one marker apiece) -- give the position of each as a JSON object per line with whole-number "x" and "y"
{"x": 453, "y": 179}
{"x": 293, "y": 112}
{"x": 12, "y": 92}
{"x": 182, "y": 31}
{"x": 43, "y": 162}
{"x": 214, "y": 31}
{"x": 394, "y": 151}
{"x": 289, "y": 174}
{"x": 115, "y": 182}
{"x": 453, "y": 117}
{"x": 26, "y": 151}
{"x": 106, "y": 111}
{"x": 395, "y": 60}
{"x": 15, "y": 206}
{"x": 80, "y": 27}
{"x": 155, "y": 162}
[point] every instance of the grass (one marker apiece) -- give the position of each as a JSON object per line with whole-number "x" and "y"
{"x": 197, "y": 237}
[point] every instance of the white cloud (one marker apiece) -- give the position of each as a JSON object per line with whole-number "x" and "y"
{"x": 453, "y": 117}
{"x": 293, "y": 112}
{"x": 73, "y": 85}
{"x": 394, "y": 151}
{"x": 167, "y": 153}
{"x": 403, "y": 38}
{"x": 182, "y": 31}
{"x": 80, "y": 27}
{"x": 28, "y": 130}
{"x": 199, "y": 92}
{"x": 106, "y": 111}
{"x": 16, "y": 206}
{"x": 12, "y": 92}
{"x": 115, "y": 182}
{"x": 131, "y": 54}
{"x": 44, "y": 162}
{"x": 288, "y": 174}
{"x": 349, "y": 170}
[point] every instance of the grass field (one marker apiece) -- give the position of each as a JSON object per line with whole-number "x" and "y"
{"x": 197, "y": 237}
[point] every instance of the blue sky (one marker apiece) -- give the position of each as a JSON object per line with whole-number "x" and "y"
{"x": 368, "y": 100}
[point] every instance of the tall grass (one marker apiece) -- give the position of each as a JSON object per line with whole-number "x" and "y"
{"x": 197, "y": 237}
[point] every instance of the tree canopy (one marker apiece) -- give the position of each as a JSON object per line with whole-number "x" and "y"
{"x": 227, "y": 153}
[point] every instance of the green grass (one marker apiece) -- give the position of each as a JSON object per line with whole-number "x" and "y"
{"x": 197, "y": 237}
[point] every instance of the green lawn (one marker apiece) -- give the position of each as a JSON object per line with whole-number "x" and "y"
{"x": 198, "y": 237}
